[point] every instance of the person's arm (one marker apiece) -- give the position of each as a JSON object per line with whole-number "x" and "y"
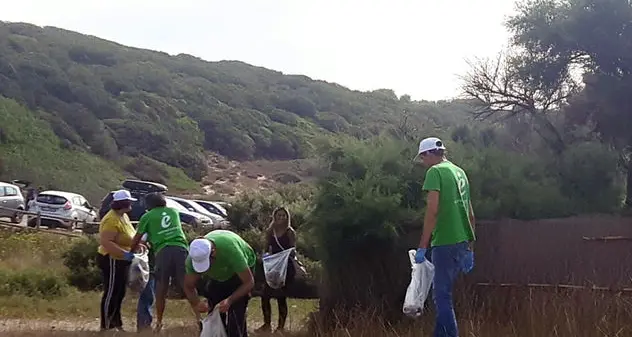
{"x": 430, "y": 219}
{"x": 142, "y": 229}
{"x": 247, "y": 283}
{"x": 432, "y": 185}
{"x": 190, "y": 291}
{"x": 472, "y": 218}
{"x": 268, "y": 242}
{"x": 291, "y": 235}
{"x": 107, "y": 239}
{"x": 472, "y": 224}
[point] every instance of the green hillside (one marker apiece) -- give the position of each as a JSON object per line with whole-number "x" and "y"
{"x": 146, "y": 113}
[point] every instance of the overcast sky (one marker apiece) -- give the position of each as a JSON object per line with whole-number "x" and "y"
{"x": 415, "y": 47}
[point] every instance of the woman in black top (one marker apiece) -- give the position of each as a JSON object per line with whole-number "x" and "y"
{"x": 279, "y": 236}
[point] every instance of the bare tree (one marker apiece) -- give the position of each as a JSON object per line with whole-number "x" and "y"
{"x": 521, "y": 84}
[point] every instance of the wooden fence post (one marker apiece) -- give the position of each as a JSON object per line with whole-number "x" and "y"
{"x": 38, "y": 221}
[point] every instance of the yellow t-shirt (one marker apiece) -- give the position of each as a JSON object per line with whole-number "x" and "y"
{"x": 111, "y": 222}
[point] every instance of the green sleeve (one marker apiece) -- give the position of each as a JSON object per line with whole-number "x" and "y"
{"x": 432, "y": 182}
{"x": 188, "y": 266}
{"x": 142, "y": 224}
{"x": 238, "y": 260}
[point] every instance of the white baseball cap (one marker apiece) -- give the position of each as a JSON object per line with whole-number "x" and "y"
{"x": 121, "y": 195}
{"x": 200, "y": 253}
{"x": 429, "y": 144}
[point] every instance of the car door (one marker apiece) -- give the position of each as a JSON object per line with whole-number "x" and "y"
{"x": 4, "y": 203}
{"x": 79, "y": 208}
{"x": 12, "y": 197}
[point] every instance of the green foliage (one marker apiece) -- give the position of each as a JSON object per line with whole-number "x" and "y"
{"x": 370, "y": 192}
{"x": 81, "y": 261}
{"x": 254, "y": 210}
{"x": 116, "y": 101}
{"x": 33, "y": 283}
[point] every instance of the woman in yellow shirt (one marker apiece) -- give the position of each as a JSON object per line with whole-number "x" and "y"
{"x": 115, "y": 236}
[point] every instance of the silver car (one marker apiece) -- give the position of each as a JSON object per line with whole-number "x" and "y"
{"x": 11, "y": 202}
{"x": 55, "y": 207}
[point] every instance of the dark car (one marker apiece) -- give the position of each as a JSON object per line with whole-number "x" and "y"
{"x": 139, "y": 189}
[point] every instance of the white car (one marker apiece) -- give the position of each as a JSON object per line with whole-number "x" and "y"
{"x": 11, "y": 201}
{"x": 53, "y": 205}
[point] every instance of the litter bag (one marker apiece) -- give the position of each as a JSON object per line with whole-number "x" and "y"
{"x": 212, "y": 325}
{"x": 420, "y": 282}
{"x": 139, "y": 272}
{"x": 275, "y": 268}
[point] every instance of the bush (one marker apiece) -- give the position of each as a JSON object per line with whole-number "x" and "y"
{"x": 369, "y": 192}
{"x": 81, "y": 261}
{"x": 33, "y": 283}
{"x": 254, "y": 210}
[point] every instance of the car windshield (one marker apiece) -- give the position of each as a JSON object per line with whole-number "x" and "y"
{"x": 51, "y": 199}
{"x": 175, "y": 205}
{"x": 198, "y": 208}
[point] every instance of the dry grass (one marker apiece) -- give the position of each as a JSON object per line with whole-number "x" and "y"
{"x": 482, "y": 312}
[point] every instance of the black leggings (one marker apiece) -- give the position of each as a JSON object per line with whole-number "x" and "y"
{"x": 281, "y": 297}
{"x": 235, "y": 319}
{"x": 115, "y": 273}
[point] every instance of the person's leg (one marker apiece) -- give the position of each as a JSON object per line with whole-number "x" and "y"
{"x": 145, "y": 301}
{"x": 108, "y": 288}
{"x": 120, "y": 288}
{"x": 446, "y": 260}
{"x": 162, "y": 269}
{"x": 266, "y": 308}
{"x": 236, "y": 325}
{"x": 282, "y": 302}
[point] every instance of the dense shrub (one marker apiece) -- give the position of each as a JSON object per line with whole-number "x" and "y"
{"x": 370, "y": 191}
{"x": 81, "y": 262}
{"x": 254, "y": 210}
{"x": 32, "y": 283}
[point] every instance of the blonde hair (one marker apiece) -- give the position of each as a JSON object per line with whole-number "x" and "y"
{"x": 279, "y": 209}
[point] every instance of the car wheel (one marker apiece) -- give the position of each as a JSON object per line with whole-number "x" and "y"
{"x": 17, "y": 217}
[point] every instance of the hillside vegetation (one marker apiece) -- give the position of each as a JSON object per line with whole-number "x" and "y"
{"x": 143, "y": 110}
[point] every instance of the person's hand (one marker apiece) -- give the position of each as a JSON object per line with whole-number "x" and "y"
{"x": 420, "y": 256}
{"x": 140, "y": 248}
{"x": 202, "y": 306}
{"x": 224, "y": 305}
{"x": 128, "y": 256}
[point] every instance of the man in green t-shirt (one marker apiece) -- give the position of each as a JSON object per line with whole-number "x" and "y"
{"x": 228, "y": 261}
{"x": 449, "y": 220}
{"x": 168, "y": 243}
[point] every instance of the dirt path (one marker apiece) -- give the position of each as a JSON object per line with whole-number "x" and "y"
{"x": 12, "y": 325}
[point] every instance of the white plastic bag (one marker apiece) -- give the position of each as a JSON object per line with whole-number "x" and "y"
{"x": 212, "y": 325}
{"x": 275, "y": 268}
{"x": 420, "y": 282}
{"x": 139, "y": 272}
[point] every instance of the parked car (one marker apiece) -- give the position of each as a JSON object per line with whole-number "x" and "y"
{"x": 193, "y": 206}
{"x": 12, "y": 201}
{"x": 53, "y": 205}
{"x": 192, "y": 218}
{"x": 214, "y": 207}
{"x": 139, "y": 189}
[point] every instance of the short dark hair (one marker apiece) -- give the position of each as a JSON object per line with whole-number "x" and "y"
{"x": 155, "y": 199}
{"x": 121, "y": 204}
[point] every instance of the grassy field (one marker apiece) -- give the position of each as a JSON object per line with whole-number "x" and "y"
{"x": 482, "y": 312}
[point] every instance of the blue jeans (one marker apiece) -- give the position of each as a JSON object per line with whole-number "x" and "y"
{"x": 145, "y": 302}
{"x": 449, "y": 262}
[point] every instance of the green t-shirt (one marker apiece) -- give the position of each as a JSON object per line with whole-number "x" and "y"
{"x": 232, "y": 255}
{"x": 453, "y": 221}
{"x": 163, "y": 228}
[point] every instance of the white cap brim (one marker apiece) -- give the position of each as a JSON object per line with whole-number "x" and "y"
{"x": 202, "y": 266}
{"x": 126, "y": 199}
